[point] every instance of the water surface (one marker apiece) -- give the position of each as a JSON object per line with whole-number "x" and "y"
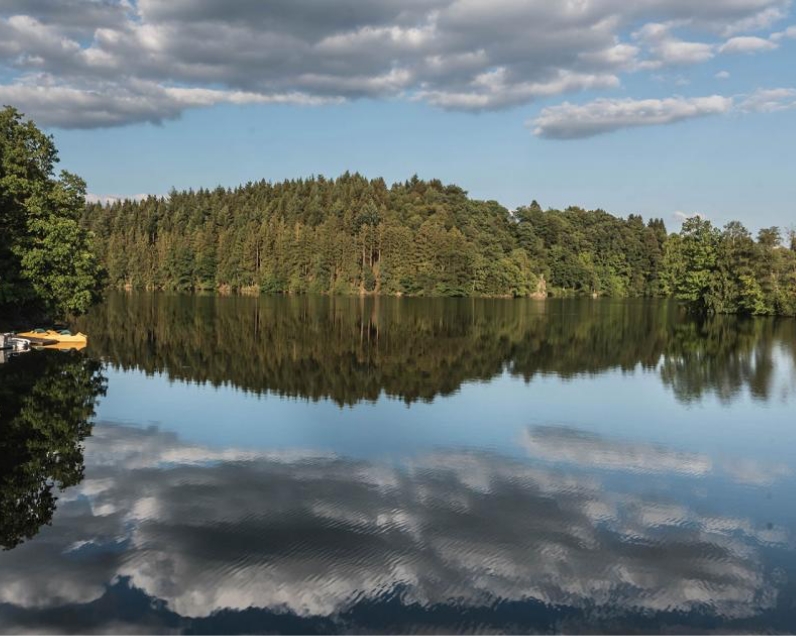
{"x": 382, "y": 465}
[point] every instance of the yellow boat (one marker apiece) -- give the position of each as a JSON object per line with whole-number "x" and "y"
{"x": 63, "y": 336}
{"x": 66, "y": 346}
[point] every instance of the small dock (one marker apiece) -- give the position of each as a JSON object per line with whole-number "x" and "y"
{"x": 40, "y": 342}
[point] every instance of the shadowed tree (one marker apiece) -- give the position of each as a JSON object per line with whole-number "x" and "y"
{"x": 47, "y": 400}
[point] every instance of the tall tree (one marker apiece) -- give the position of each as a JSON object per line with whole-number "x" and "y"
{"x": 46, "y": 258}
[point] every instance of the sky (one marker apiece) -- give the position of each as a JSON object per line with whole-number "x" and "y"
{"x": 665, "y": 108}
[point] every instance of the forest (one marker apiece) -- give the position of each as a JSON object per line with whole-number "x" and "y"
{"x": 353, "y": 235}
{"x": 355, "y": 349}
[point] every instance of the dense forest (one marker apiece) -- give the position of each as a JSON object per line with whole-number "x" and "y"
{"x": 352, "y": 235}
{"x": 353, "y": 349}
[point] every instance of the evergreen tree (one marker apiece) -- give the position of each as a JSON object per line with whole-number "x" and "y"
{"x": 351, "y": 235}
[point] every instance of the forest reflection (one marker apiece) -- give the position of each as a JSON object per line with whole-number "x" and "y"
{"x": 47, "y": 400}
{"x": 354, "y": 349}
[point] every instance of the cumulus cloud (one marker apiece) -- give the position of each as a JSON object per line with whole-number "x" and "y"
{"x": 665, "y": 49}
{"x": 747, "y": 44}
{"x": 74, "y": 17}
{"x": 572, "y": 121}
{"x": 769, "y": 100}
{"x": 109, "y": 63}
{"x": 494, "y": 91}
{"x": 756, "y": 21}
{"x": 722, "y": 75}
{"x": 790, "y": 32}
{"x": 107, "y": 105}
{"x": 201, "y": 530}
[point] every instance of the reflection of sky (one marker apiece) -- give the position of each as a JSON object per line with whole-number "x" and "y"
{"x": 311, "y": 534}
{"x": 482, "y": 415}
{"x": 598, "y": 491}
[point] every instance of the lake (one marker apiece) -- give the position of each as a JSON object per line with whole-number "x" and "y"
{"x": 313, "y": 464}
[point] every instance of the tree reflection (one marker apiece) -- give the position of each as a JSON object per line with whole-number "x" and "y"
{"x": 46, "y": 402}
{"x": 353, "y": 349}
{"x": 722, "y": 355}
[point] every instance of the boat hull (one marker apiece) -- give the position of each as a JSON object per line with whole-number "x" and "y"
{"x": 50, "y": 334}
{"x": 66, "y": 346}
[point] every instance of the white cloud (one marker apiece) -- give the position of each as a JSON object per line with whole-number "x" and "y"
{"x": 492, "y": 90}
{"x": 722, "y": 75}
{"x": 665, "y": 49}
{"x": 107, "y": 63}
{"x": 571, "y": 121}
{"x": 756, "y": 21}
{"x": 790, "y": 32}
{"x": 69, "y": 107}
{"x": 747, "y": 44}
{"x": 91, "y": 197}
{"x": 769, "y": 100}
{"x": 681, "y": 216}
{"x": 680, "y": 52}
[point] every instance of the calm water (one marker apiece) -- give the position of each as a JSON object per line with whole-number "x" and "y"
{"x": 349, "y": 465}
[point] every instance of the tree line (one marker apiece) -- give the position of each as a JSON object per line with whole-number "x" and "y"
{"x": 353, "y": 235}
{"x": 353, "y": 349}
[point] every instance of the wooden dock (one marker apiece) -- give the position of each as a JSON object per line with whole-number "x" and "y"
{"x": 40, "y": 342}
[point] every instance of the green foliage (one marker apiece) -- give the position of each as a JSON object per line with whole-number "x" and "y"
{"x": 351, "y": 235}
{"x": 699, "y": 251}
{"x": 593, "y": 252}
{"x": 728, "y": 272}
{"x": 46, "y": 257}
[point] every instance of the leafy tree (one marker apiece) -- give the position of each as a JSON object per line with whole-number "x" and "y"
{"x": 697, "y": 283}
{"x": 46, "y": 258}
{"x": 728, "y": 272}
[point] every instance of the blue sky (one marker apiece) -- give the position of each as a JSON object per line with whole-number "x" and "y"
{"x": 659, "y": 107}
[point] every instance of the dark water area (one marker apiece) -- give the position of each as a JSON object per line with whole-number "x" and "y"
{"x": 339, "y": 465}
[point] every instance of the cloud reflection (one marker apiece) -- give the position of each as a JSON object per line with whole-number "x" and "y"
{"x": 587, "y": 449}
{"x": 562, "y": 444}
{"x": 313, "y": 535}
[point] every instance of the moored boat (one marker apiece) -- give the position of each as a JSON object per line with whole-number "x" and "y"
{"x": 66, "y": 346}
{"x": 62, "y": 336}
